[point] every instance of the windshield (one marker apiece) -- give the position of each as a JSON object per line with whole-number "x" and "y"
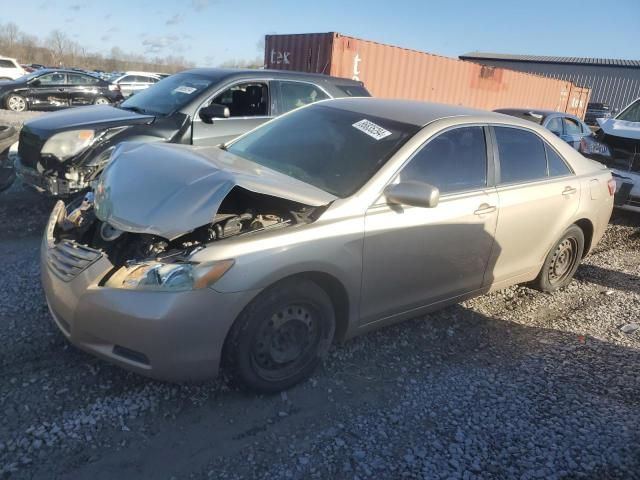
{"x": 333, "y": 149}
{"x": 168, "y": 95}
{"x": 631, "y": 113}
{"x": 29, "y": 76}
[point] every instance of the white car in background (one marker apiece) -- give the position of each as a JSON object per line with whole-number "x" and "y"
{"x": 10, "y": 69}
{"x": 132, "y": 82}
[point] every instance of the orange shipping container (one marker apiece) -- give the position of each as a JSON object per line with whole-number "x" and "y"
{"x": 394, "y": 72}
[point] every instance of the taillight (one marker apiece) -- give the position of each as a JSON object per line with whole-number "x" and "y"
{"x": 612, "y": 186}
{"x": 114, "y": 87}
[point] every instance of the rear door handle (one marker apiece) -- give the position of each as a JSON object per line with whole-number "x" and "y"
{"x": 569, "y": 191}
{"x": 484, "y": 209}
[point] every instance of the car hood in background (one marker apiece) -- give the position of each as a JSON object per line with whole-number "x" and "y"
{"x": 620, "y": 128}
{"x": 169, "y": 190}
{"x": 92, "y": 117}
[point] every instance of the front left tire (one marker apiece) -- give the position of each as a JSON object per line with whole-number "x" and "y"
{"x": 101, "y": 101}
{"x": 280, "y": 337}
{"x": 16, "y": 103}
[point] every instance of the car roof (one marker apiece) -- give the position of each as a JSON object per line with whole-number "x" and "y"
{"x": 229, "y": 73}
{"x": 7, "y": 58}
{"x": 63, "y": 70}
{"x": 134, "y": 72}
{"x": 408, "y": 111}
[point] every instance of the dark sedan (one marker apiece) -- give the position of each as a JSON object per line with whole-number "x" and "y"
{"x": 566, "y": 126}
{"x": 53, "y": 89}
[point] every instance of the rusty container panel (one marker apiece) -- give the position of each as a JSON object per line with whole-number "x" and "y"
{"x": 300, "y": 52}
{"x": 394, "y": 72}
{"x": 578, "y": 100}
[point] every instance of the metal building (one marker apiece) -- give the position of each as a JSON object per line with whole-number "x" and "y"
{"x": 614, "y": 82}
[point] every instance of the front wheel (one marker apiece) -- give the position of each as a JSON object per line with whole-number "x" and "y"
{"x": 101, "y": 101}
{"x": 280, "y": 337}
{"x": 16, "y": 103}
{"x": 562, "y": 261}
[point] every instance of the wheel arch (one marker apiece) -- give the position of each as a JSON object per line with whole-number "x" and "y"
{"x": 587, "y": 229}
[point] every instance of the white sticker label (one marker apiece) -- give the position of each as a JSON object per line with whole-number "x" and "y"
{"x": 184, "y": 89}
{"x": 371, "y": 129}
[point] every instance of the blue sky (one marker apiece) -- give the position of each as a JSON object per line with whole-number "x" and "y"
{"x": 209, "y": 32}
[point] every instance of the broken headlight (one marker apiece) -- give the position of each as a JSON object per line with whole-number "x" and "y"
{"x": 67, "y": 144}
{"x": 168, "y": 277}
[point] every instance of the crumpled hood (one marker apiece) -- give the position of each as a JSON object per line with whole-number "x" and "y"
{"x": 620, "y": 128}
{"x": 92, "y": 116}
{"x": 169, "y": 190}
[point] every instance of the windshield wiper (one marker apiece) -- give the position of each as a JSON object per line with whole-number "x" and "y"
{"x": 135, "y": 109}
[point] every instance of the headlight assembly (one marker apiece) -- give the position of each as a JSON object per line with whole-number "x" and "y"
{"x": 168, "y": 277}
{"x": 67, "y": 144}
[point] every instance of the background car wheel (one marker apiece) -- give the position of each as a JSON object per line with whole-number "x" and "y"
{"x": 280, "y": 337}
{"x": 17, "y": 103}
{"x": 561, "y": 262}
{"x": 101, "y": 101}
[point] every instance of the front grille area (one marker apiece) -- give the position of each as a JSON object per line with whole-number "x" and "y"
{"x": 29, "y": 148}
{"x": 67, "y": 259}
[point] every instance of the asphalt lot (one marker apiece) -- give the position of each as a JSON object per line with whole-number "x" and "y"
{"x": 515, "y": 384}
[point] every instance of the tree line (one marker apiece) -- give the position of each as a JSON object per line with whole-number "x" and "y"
{"x": 59, "y": 50}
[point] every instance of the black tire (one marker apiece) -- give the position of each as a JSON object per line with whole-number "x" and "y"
{"x": 562, "y": 261}
{"x": 100, "y": 100}
{"x": 280, "y": 337}
{"x": 16, "y": 103}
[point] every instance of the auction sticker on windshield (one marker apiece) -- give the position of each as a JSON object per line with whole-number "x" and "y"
{"x": 371, "y": 129}
{"x": 184, "y": 89}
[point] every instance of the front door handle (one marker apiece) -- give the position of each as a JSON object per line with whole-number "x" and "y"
{"x": 569, "y": 191}
{"x": 484, "y": 209}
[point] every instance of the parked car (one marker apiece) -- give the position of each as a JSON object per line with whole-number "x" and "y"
{"x": 53, "y": 89}
{"x": 329, "y": 221}
{"x": 133, "y": 82}
{"x": 31, "y": 67}
{"x": 596, "y": 111}
{"x": 10, "y": 69}
{"x": 61, "y": 154}
{"x": 566, "y": 126}
{"x": 621, "y": 135}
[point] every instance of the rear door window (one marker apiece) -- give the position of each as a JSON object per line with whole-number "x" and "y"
{"x": 354, "y": 90}
{"x": 6, "y": 64}
{"x": 454, "y": 161}
{"x": 298, "y": 94}
{"x": 522, "y": 155}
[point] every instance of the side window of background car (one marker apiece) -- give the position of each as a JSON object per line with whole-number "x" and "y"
{"x": 245, "y": 100}
{"x": 571, "y": 127}
{"x": 522, "y": 155}
{"x": 298, "y": 94}
{"x": 52, "y": 79}
{"x": 555, "y": 125}
{"x": 6, "y": 64}
{"x": 453, "y": 161}
{"x": 557, "y": 166}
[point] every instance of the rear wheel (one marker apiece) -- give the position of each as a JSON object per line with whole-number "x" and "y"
{"x": 562, "y": 261}
{"x": 280, "y": 337}
{"x": 16, "y": 103}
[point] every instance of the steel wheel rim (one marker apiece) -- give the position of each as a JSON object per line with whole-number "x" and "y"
{"x": 563, "y": 261}
{"x": 17, "y": 104}
{"x": 102, "y": 101}
{"x": 286, "y": 342}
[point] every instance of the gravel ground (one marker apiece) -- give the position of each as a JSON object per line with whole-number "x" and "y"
{"x": 515, "y": 384}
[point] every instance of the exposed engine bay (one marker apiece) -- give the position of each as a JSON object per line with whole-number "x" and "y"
{"x": 242, "y": 212}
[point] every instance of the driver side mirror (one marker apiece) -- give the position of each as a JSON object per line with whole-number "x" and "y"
{"x": 412, "y": 193}
{"x": 207, "y": 114}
